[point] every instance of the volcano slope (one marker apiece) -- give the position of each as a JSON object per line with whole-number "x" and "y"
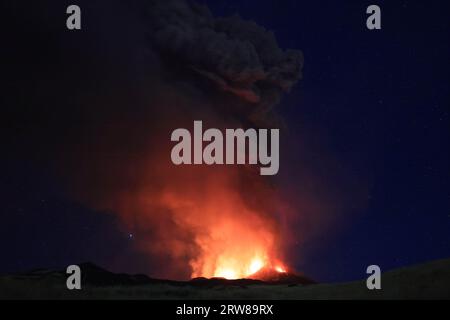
{"x": 426, "y": 281}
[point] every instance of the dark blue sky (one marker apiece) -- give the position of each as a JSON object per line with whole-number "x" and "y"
{"x": 377, "y": 101}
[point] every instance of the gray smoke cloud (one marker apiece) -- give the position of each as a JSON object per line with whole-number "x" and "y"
{"x": 238, "y": 56}
{"x": 120, "y": 87}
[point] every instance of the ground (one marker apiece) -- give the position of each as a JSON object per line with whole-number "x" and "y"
{"x": 426, "y": 281}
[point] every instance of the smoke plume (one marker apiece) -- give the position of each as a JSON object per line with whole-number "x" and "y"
{"x": 191, "y": 221}
{"x": 111, "y": 96}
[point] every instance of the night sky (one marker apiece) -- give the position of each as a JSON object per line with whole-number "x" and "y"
{"x": 376, "y": 101}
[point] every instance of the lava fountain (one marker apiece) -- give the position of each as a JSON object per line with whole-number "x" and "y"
{"x": 234, "y": 239}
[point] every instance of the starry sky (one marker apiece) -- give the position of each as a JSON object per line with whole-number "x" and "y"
{"x": 377, "y": 101}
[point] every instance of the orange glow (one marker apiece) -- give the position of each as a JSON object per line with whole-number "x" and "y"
{"x": 255, "y": 266}
{"x": 230, "y": 239}
{"x": 226, "y": 273}
{"x": 233, "y": 249}
{"x": 280, "y": 269}
{"x": 235, "y": 269}
{"x": 204, "y": 222}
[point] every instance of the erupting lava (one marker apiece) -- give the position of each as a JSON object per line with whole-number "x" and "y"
{"x": 245, "y": 270}
{"x": 214, "y": 228}
{"x": 235, "y": 249}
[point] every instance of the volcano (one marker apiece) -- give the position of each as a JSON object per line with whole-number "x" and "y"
{"x": 426, "y": 281}
{"x": 278, "y": 275}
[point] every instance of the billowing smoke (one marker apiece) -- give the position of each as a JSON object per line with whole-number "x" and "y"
{"x": 127, "y": 85}
{"x": 191, "y": 220}
{"x": 238, "y": 56}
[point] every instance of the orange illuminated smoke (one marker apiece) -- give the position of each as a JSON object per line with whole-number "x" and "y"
{"x": 204, "y": 222}
{"x": 233, "y": 239}
{"x": 234, "y": 249}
